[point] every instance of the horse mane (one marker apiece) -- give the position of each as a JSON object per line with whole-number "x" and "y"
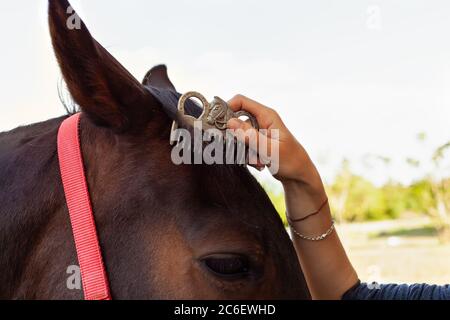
{"x": 168, "y": 99}
{"x": 66, "y": 99}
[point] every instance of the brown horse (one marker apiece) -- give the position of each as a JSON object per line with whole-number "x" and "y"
{"x": 166, "y": 231}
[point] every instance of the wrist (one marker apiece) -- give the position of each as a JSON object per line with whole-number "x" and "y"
{"x": 310, "y": 184}
{"x": 299, "y": 169}
{"x": 303, "y": 197}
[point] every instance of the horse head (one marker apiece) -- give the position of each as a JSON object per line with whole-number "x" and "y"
{"x": 166, "y": 231}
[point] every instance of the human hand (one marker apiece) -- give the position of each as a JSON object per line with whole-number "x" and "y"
{"x": 293, "y": 163}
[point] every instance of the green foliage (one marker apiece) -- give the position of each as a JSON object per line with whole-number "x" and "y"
{"x": 394, "y": 199}
{"x": 419, "y": 197}
{"x": 277, "y": 198}
{"x": 439, "y": 153}
{"x": 353, "y": 198}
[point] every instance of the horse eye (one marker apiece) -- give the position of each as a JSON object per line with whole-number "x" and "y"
{"x": 227, "y": 266}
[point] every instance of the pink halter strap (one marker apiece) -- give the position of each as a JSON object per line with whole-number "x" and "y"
{"x": 93, "y": 274}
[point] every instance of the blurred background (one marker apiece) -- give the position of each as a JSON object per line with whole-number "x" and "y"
{"x": 363, "y": 84}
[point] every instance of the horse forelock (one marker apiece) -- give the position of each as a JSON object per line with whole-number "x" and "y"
{"x": 169, "y": 102}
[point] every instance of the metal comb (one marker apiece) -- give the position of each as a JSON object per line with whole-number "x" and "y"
{"x": 215, "y": 115}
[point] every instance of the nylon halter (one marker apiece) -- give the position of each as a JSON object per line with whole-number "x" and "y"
{"x": 93, "y": 273}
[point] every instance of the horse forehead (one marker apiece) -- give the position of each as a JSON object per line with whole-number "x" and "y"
{"x": 224, "y": 205}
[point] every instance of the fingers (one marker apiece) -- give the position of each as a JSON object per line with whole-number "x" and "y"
{"x": 260, "y": 111}
{"x": 259, "y": 144}
{"x": 243, "y": 130}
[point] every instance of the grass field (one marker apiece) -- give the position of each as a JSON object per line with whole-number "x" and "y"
{"x": 397, "y": 251}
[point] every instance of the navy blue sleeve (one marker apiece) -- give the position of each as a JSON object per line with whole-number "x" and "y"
{"x": 374, "y": 291}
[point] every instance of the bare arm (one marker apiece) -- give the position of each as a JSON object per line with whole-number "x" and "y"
{"x": 325, "y": 264}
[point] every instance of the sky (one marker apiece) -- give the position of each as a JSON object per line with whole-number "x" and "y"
{"x": 354, "y": 79}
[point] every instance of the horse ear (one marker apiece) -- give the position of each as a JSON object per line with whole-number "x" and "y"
{"x": 158, "y": 77}
{"x": 98, "y": 83}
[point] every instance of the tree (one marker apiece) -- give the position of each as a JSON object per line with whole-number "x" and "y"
{"x": 432, "y": 194}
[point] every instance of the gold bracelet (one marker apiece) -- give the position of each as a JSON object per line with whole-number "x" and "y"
{"x": 317, "y": 238}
